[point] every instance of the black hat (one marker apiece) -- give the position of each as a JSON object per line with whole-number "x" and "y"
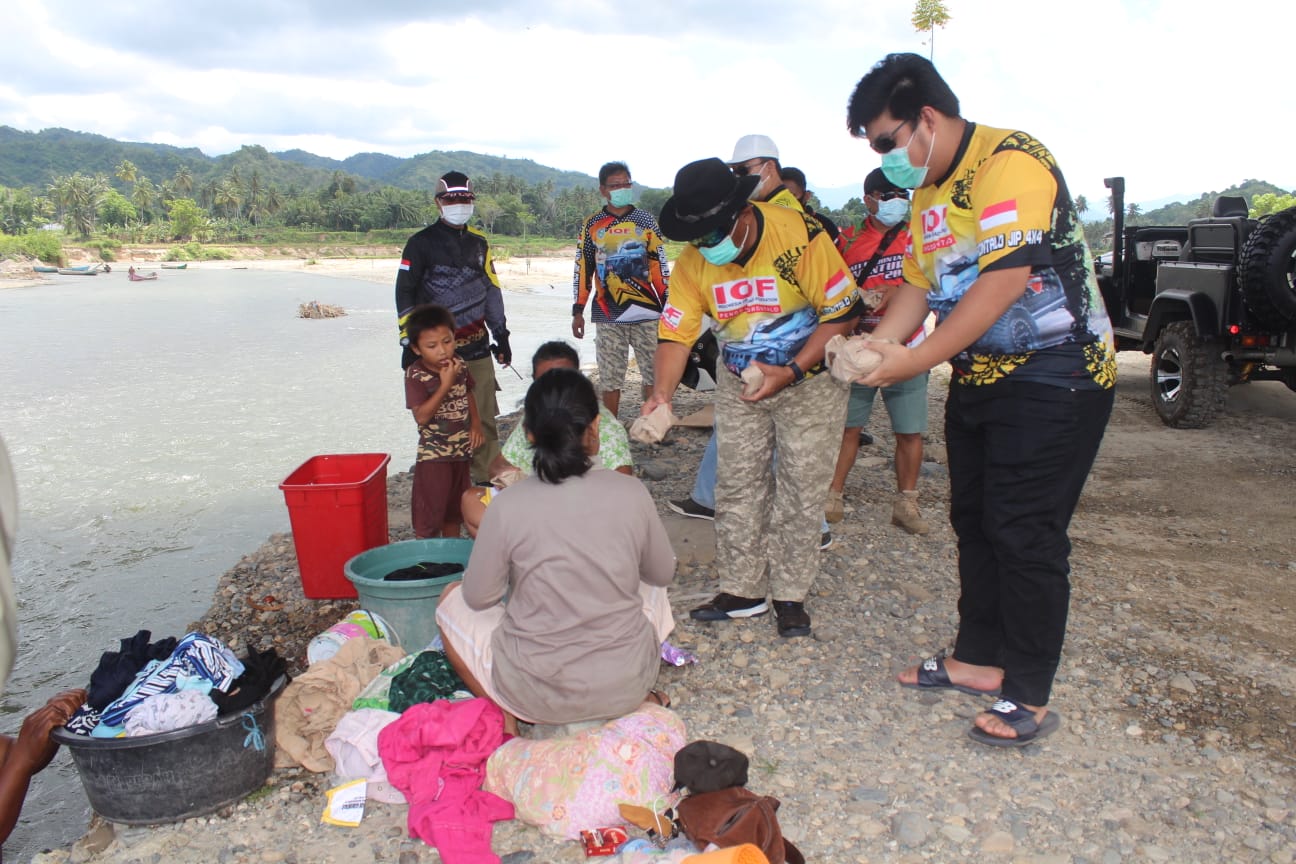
{"x": 876, "y": 181}
{"x": 706, "y": 766}
{"x": 453, "y": 182}
{"x": 707, "y": 194}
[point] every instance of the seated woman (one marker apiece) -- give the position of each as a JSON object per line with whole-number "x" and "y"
{"x": 569, "y": 547}
{"x": 517, "y": 453}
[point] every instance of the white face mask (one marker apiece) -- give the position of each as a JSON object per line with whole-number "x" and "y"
{"x": 457, "y": 214}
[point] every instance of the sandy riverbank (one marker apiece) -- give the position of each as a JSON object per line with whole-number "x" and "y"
{"x": 513, "y": 272}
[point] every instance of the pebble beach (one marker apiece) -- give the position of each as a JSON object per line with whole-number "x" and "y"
{"x": 1153, "y": 762}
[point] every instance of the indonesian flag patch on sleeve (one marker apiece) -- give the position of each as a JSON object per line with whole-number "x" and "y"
{"x": 404, "y": 265}
{"x": 1003, "y": 213}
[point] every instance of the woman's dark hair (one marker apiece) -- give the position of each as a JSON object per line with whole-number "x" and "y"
{"x": 555, "y": 350}
{"x": 560, "y": 406}
{"x": 901, "y": 85}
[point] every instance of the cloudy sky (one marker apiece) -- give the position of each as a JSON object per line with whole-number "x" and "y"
{"x": 1180, "y": 96}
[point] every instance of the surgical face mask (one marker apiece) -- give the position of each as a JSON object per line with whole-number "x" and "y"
{"x": 902, "y": 172}
{"x": 621, "y": 197}
{"x": 893, "y": 211}
{"x": 457, "y": 214}
{"x": 723, "y": 252}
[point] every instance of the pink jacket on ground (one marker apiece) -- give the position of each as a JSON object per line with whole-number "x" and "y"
{"x": 436, "y": 755}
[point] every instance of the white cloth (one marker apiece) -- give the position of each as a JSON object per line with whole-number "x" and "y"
{"x": 168, "y": 711}
{"x": 354, "y": 748}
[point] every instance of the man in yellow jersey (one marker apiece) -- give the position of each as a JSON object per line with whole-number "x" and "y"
{"x": 997, "y": 252}
{"x": 776, "y": 290}
{"x": 758, "y": 156}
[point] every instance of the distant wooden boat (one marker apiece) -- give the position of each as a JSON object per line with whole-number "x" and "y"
{"x": 175, "y": 266}
{"x": 73, "y": 271}
{"x": 41, "y": 268}
{"x": 140, "y": 277}
{"x": 80, "y": 268}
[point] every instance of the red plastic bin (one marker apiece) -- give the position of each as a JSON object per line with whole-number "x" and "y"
{"x": 338, "y": 508}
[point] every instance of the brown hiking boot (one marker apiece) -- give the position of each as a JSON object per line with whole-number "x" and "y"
{"x": 905, "y": 514}
{"x": 834, "y": 509}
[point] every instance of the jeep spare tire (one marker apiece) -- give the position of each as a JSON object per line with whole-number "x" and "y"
{"x": 1268, "y": 269}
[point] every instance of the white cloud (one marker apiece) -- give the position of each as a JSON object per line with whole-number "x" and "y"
{"x": 1179, "y": 97}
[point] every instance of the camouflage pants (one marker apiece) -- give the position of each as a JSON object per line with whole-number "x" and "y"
{"x": 768, "y": 516}
{"x": 612, "y": 344}
{"x": 483, "y": 372}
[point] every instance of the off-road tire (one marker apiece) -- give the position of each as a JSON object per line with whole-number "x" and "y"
{"x": 1267, "y": 269}
{"x": 1016, "y": 329}
{"x": 1189, "y": 378}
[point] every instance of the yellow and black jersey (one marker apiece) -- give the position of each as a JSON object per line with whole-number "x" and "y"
{"x": 624, "y": 258}
{"x": 766, "y": 307}
{"x": 1004, "y": 203}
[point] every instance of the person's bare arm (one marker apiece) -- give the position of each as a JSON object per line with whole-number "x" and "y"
{"x": 426, "y": 410}
{"x": 30, "y": 752}
{"x": 779, "y": 377}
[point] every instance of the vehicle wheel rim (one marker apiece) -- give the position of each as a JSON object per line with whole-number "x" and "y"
{"x": 1169, "y": 376}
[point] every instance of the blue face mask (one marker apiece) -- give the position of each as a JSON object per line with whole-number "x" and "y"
{"x": 900, "y": 171}
{"x": 723, "y": 252}
{"x": 892, "y": 212}
{"x": 621, "y": 197}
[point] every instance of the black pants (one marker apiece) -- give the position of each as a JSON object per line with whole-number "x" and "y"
{"x": 1019, "y": 454}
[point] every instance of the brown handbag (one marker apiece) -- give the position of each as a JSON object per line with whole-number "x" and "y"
{"x": 733, "y": 816}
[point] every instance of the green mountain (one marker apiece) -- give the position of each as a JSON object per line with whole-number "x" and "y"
{"x": 33, "y": 159}
{"x": 1179, "y": 212}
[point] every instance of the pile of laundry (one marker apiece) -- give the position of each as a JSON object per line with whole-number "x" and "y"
{"x": 151, "y": 687}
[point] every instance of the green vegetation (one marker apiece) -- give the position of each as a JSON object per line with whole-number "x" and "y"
{"x": 43, "y": 245}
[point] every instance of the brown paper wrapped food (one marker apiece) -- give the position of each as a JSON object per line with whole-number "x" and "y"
{"x": 752, "y": 378}
{"x": 850, "y": 359}
{"x": 653, "y": 428}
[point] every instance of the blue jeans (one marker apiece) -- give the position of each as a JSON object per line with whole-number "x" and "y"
{"x": 704, "y": 485}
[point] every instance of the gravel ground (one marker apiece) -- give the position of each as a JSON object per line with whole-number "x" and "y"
{"x": 1176, "y": 687}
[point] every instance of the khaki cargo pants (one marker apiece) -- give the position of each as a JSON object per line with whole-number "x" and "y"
{"x": 768, "y": 514}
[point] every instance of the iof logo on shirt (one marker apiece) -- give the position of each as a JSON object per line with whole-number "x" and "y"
{"x": 936, "y": 230}
{"x": 671, "y": 316}
{"x": 746, "y": 295}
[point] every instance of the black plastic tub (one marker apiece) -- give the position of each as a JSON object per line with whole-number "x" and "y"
{"x": 151, "y": 779}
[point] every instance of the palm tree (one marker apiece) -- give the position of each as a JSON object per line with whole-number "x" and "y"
{"x": 182, "y": 182}
{"x": 144, "y": 196}
{"x": 127, "y": 172}
{"x": 1081, "y": 204}
{"x": 78, "y": 198}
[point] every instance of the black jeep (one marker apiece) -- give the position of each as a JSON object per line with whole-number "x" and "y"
{"x": 1213, "y": 302}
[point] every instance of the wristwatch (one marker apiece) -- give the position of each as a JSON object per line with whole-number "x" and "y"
{"x": 797, "y": 374}
{"x": 577, "y": 309}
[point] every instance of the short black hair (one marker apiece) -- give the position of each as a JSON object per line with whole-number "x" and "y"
{"x": 877, "y": 181}
{"x": 796, "y": 175}
{"x": 559, "y": 408}
{"x": 612, "y": 168}
{"x": 555, "y": 350}
{"x": 427, "y": 317}
{"x": 901, "y": 85}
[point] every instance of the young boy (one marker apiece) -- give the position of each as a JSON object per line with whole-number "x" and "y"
{"x": 438, "y": 389}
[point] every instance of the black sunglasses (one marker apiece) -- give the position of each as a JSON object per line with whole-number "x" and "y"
{"x": 886, "y": 143}
{"x": 887, "y": 196}
{"x": 744, "y": 169}
{"x": 457, "y": 198}
{"x": 714, "y": 236}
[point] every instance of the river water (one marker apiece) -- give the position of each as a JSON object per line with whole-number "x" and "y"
{"x": 150, "y": 423}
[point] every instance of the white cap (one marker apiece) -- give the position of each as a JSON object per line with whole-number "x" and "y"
{"x": 754, "y": 147}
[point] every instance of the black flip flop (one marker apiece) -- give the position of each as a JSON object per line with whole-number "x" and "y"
{"x": 1020, "y": 719}
{"x": 932, "y": 676}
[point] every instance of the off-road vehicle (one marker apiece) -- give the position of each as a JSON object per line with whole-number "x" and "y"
{"x": 1213, "y": 302}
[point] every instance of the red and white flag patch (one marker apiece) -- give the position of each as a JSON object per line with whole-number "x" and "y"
{"x": 1003, "y": 213}
{"x": 404, "y": 265}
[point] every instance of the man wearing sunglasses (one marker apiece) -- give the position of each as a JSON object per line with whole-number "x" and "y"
{"x": 777, "y": 290}
{"x": 449, "y": 263}
{"x": 1029, "y": 397}
{"x": 758, "y": 156}
{"x": 794, "y": 180}
{"x": 875, "y": 252}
